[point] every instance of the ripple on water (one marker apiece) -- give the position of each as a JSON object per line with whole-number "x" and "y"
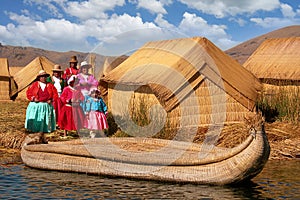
{"x": 278, "y": 180}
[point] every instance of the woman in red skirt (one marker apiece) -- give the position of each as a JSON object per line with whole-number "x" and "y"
{"x": 71, "y": 116}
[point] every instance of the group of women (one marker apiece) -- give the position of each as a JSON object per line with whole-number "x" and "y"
{"x": 68, "y": 100}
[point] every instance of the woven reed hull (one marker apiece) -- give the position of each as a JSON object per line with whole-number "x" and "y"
{"x": 219, "y": 168}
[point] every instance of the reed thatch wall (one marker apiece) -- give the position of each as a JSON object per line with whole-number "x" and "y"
{"x": 6, "y": 81}
{"x": 225, "y": 109}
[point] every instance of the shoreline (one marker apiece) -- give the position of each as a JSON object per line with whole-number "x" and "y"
{"x": 288, "y": 149}
{"x": 283, "y": 137}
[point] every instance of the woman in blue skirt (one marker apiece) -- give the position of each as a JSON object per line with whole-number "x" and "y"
{"x": 40, "y": 114}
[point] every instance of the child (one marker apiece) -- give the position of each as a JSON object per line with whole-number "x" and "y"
{"x": 96, "y": 111}
{"x": 71, "y": 116}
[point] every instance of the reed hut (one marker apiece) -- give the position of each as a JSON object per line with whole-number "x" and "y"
{"x": 27, "y": 74}
{"x": 190, "y": 81}
{"x": 276, "y": 62}
{"x": 6, "y": 81}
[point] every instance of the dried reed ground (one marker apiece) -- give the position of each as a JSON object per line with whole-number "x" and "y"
{"x": 284, "y": 138}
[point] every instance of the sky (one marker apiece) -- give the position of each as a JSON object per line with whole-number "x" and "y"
{"x": 119, "y": 27}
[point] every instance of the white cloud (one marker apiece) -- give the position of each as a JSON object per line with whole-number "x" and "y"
{"x": 153, "y": 6}
{"x": 49, "y": 6}
{"x": 30, "y": 15}
{"x": 119, "y": 24}
{"x": 287, "y": 11}
{"x": 272, "y": 22}
{"x": 163, "y": 23}
{"x": 5, "y": 33}
{"x": 10, "y": 35}
{"x": 289, "y": 18}
{"x": 122, "y": 34}
{"x": 92, "y": 8}
{"x": 82, "y": 9}
{"x": 223, "y": 8}
{"x": 240, "y": 21}
{"x": 193, "y": 25}
{"x": 63, "y": 35}
{"x": 20, "y": 19}
{"x": 53, "y": 34}
{"x": 25, "y": 12}
{"x": 197, "y": 26}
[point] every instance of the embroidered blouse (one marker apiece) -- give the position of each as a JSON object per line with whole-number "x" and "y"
{"x": 33, "y": 91}
{"x": 94, "y": 104}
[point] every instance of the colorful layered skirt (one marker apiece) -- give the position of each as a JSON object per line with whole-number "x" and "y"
{"x": 71, "y": 117}
{"x": 40, "y": 117}
{"x": 96, "y": 121}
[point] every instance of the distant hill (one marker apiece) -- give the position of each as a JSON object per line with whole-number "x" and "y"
{"x": 20, "y": 56}
{"x": 242, "y": 51}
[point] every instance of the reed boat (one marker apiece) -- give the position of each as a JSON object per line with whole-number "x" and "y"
{"x": 153, "y": 159}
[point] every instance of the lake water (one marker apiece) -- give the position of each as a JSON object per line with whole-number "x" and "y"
{"x": 278, "y": 180}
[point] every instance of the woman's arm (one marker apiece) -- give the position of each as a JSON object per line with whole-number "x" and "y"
{"x": 31, "y": 92}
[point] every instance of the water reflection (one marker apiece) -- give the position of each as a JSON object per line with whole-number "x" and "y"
{"x": 279, "y": 180}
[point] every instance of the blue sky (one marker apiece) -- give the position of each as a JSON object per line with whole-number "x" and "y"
{"x": 116, "y": 27}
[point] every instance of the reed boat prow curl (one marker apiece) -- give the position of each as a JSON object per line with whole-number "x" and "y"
{"x": 155, "y": 159}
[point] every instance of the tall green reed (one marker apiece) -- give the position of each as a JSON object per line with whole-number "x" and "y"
{"x": 281, "y": 102}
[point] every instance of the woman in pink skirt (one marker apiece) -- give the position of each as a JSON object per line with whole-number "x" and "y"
{"x": 96, "y": 111}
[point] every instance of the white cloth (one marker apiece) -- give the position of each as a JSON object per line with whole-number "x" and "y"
{"x": 57, "y": 84}
{"x": 42, "y": 85}
{"x": 72, "y": 78}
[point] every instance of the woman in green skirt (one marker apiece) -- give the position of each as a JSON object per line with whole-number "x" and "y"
{"x": 40, "y": 114}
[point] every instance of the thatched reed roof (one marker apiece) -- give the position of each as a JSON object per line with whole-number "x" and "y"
{"x": 5, "y": 80}
{"x": 277, "y": 58}
{"x": 13, "y": 70}
{"x": 21, "y": 94}
{"x": 111, "y": 63}
{"x": 28, "y": 74}
{"x": 4, "y": 68}
{"x": 196, "y": 59}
